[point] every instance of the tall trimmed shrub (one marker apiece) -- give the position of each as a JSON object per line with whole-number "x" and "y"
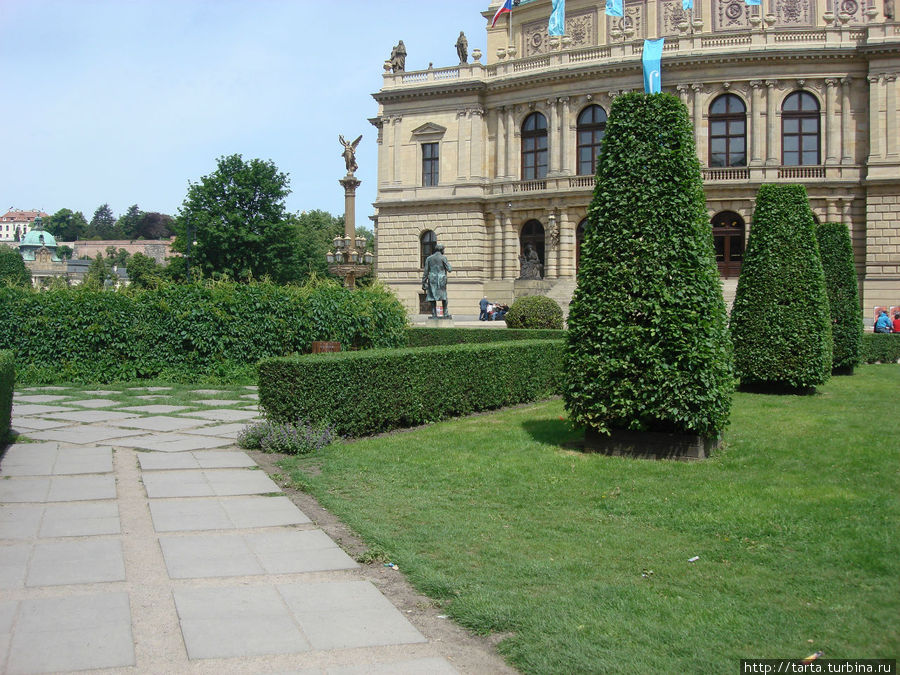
{"x": 648, "y": 344}
{"x": 7, "y": 382}
{"x": 836, "y": 251}
{"x": 12, "y": 268}
{"x": 780, "y": 322}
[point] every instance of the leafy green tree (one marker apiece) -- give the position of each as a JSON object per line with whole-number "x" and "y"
{"x": 12, "y": 268}
{"x": 236, "y": 216}
{"x": 99, "y": 272}
{"x": 144, "y": 271}
{"x": 103, "y": 223}
{"x": 67, "y": 225}
{"x": 154, "y": 225}
{"x": 648, "y": 344}
{"x": 129, "y": 223}
{"x": 315, "y": 232}
{"x": 175, "y": 270}
{"x": 117, "y": 257}
{"x": 64, "y": 252}
{"x": 841, "y": 283}
{"x": 780, "y": 321}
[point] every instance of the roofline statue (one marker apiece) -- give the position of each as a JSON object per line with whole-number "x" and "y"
{"x": 349, "y": 153}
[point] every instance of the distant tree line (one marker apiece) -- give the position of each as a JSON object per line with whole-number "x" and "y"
{"x": 68, "y": 225}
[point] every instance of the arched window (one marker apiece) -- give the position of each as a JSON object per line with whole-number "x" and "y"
{"x": 427, "y": 242}
{"x": 590, "y": 131}
{"x": 800, "y": 130}
{"x": 534, "y": 147}
{"x": 579, "y": 240}
{"x": 532, "y": 237}
{"x": 728, "y": 238}
{"x": 727, "y": 131}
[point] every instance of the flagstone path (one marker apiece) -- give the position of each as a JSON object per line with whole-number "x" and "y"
{"x": 139, "y": 539}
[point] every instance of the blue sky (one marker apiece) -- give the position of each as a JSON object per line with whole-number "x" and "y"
{"x": 125, "y": 101}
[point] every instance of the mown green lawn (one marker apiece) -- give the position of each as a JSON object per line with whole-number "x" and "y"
{"x": 582, "y": 561}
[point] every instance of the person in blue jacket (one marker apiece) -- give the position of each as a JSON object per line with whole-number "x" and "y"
{"x": 483, "y": 305}
{"x": 883, "y": 324}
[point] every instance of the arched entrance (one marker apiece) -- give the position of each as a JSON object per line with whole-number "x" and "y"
{"x": 532, "y": 234}
{"x": 579, "y": 240}
{"x": 728, "y": 237}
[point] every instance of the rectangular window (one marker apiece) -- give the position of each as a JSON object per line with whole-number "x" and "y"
{"x": 430, "y": 164}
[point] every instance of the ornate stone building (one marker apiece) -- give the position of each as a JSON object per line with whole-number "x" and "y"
{"x": 495, "y": 154}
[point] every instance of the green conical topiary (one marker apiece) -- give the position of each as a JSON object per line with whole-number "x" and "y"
{"x": 836, "y": 252}
{"x": 648, "y": 342}
{"x": 780, "y": 320}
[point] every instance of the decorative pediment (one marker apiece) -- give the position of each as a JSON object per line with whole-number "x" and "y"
{"x": 429, "y": 129}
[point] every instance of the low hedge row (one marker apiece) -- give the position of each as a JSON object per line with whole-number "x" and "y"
{"x": 185, "y": 331}
{"x": 7, "y": 381}
{"x": 880, "y": 348}
{"x": 361, "y": 393}
{"x": 432, "y": 337}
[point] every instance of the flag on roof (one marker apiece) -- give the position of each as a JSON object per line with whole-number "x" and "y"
{"x": 505, "y": 8}
{"x": 557, "y": 24}
{"x": 615, "y": 8}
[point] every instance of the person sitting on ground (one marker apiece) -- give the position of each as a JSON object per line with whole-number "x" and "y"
{"x": 896, "y": 323}
{"x": 883, "y": 324}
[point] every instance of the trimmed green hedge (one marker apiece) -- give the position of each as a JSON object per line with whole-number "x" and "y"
{"x": 7, "y": 382}
{"x": 12, "y": 268}
{"x": 836, "y": 251}
{"x": 431, "y": 337}
{"x": 880, "y": 348}
{"x": 648, "y": 344}
{"x": 535, "y": 311}
{"x": 185, "y": 331}
{"x": 781, "y": 321}
{"x": 361, "y": 393}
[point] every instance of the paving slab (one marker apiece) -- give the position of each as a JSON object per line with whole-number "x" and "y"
{"x": 38, "y": 424}
{"x": 29, "y": 409}
{"x": 47, "y": 459}
{"x": 253, "y": 397}
{"x": 346, "y": 614}
{"x": 37, "y": 398}
{"x": 81, "y": 519}
{"x": 432, "y": 666}
{"x": 49, "y": 388}
{"x": 231, "y": 555}
{"x": 221, "y": 513}
{"x": 20, "y": 521}
{"x": 91, "y": 416}
{"x": 207, "y": 483}
{"x": 159, "y": 388}
{"x": 201, "y": 459}
{"x": 218, "y": 401}
{"x": 208, "y": 392}
{"x": 101, "y": 392}
{"x": 59, "y": 563}
{"x": 224, "y": 415}
{"x": 157, "y": 409}
{"x": 178, "y": 442}
{"x": 80, "y": 488}
{"x": 252, "y": 407}
{"x": 14, "y": 565}
{"x": 84, "y": 435}
{"x": 251, "y": 387}
{"x": 151, "y": 397}
{"x": 221, "y": 430}
{"x": 95, "y": 403}
{"x": 71, "y": 633}
{"x": 243, "y": 621}
{"x": 158, "y": 423}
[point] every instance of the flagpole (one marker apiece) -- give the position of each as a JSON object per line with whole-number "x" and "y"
{"x": 510, "y": 27}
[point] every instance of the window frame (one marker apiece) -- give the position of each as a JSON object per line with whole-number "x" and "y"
{"x": 424, "y": 245}
{"x": 597, "y": 131}
{"x": 729, "y": 118}
{"x": 431, "y": 164}
{"x": 800, "y": 116}
{"x": 534, "y": 142}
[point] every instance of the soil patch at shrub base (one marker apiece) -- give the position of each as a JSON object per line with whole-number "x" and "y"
{"x": 651, "y": 444}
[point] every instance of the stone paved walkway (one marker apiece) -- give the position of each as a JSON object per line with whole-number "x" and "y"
{"x": 138, "y": 538}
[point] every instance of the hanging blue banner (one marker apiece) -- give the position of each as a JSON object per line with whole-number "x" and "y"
{"x": 557, "y": 24}
{"x": 615, "y": 8}
{"x": 650, "y": 59}
{"x": 687, "y": 4}
{"x": 754, "y": 2}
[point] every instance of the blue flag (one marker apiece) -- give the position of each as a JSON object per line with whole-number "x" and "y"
{"x": 651, "y": 57}
{"x": 615, "y": 8}
{"x": 557, "y": 18}
{"x": 687, "y": 4}
{"x": 753, "y": 2}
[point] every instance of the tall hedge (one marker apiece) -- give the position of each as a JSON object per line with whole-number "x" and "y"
{"x": 361, "y": 393}
{"x": 431, "y": 337}
{"x": 7, "y": 382}
{"x": 836, "y": 251}
{"x": 648, "y": 344}
{"x": 12, "y": 268}
{"x": 780, "y": 321}
{"x": 182, "y": 331}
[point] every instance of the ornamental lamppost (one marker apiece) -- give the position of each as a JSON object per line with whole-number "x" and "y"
{"x": 350, "y": 259}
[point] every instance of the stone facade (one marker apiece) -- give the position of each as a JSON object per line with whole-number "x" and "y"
{"x": 454, "y": 142}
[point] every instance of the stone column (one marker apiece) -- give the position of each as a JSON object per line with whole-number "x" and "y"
{"x": 757, "y": 128}
{"x": 773, "y": 146}
{"x": 831, "y": 210}
{"x": 566, "y": 245}
{"x": 848, "y": 131}
{"x": 553, "y": 138}
{"x": 876, "y": 133}
{"x": 510, "y": 249}
{"x": 551, "y": 248}
{"x": 511, "y": 170}
{"x": 891, "y": 114}
{"x": 698, "y": 122}
{"x": 461, "y": 145}
{"x": 476, "y": 145}
{"x": 564, "y": 141}
{"x": 683, "y": 95}
{"x": 350, "y": 183}
{"x": 497, "y": 257}
{"x": 832, "y": 123}
{"x": 387, "y": 129}
{"x": 396, "y": 140}
{"x": 500, "y": 145}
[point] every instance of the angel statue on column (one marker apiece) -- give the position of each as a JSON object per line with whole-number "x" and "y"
{"x": 349, "y": 153}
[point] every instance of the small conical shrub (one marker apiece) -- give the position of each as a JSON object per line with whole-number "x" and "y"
{"x": 780, "y": 322}
{"x": 648, "y": 344}
{"x": 836, "y": 252}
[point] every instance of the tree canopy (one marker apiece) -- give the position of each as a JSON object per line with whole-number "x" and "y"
{"x": 12, "y": 268}
{"x": 236, "y": 223}
{"x": 66, "y": 225}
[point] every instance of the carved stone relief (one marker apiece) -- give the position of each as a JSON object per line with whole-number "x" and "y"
{"x": 795, "y": 12}
{"x": 855, "y": 8}
{"x": 580, "y": 27}
{"x": 671, "y": 14}
{"x": 729, "y": 15}
{"x": 635, "y": 15}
